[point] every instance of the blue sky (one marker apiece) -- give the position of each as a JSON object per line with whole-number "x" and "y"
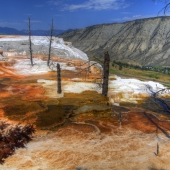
{"x": 71, "y": 14}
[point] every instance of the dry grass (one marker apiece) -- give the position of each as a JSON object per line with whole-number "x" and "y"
{"x": 152, "y": 75}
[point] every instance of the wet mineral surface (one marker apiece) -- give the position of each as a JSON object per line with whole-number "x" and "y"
{"x": 81, "y": 130}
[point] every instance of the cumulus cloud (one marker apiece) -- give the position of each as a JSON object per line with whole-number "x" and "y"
{"x": 98, "y": 5}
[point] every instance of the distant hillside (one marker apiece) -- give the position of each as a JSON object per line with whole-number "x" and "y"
{"x": 144, "y": 41}
{"x": 9, "y": 31}
{"x": 13, "y": 31}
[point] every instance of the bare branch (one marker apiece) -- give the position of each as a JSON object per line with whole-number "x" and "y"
{"x": 98, "y": 60}
{"x": 86, "y": 68}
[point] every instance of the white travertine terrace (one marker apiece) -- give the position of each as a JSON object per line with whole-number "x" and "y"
{"x": 57, "y": 43}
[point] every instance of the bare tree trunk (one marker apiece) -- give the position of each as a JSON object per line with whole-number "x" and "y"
{"x": 89, "y": 66}
{"x": 59, "y": 79}
{"x": 105, "y": 74}
{"x": 1, "y": 53}
{"x": 51, "y": 37}
{"x": 157, "y": 150}
{"x": 30, "y": 43}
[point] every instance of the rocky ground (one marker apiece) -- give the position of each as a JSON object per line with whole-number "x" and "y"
{"x": 142, "y": 41}
{"x": 80, "y": 129}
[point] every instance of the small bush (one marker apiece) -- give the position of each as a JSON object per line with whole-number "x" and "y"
{"x": 12, "y": 137}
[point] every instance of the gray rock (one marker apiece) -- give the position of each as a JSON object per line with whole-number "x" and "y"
{"x": 144, "y": 41}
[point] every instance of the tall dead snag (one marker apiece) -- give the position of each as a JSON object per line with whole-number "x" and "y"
{"x": 105, "y": 73}
{"x": 59, "y": 79}
{"x": 30, "y": 43}
{"x": 51, "y": 38}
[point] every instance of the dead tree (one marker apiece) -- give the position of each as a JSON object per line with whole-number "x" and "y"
{"x": 157, "y": 150}
{"x": 166, "y": 7}
{"x": 105, "y": 73}
{"x": 59, "y": 91}
{"x": 30, "y": 43}
{"x": 51, "y": 38}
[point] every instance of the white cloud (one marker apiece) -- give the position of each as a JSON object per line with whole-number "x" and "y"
{"x": 9, "y": 24}
{"x": 38, "y": 6}
{"x": 58, "y": 15}
{"x": 134, "y": 17}
{"x": 126, "y": 12}
{"x": 137, "y": 16}
{"x": 131, "y": 18}
{"x": 98, "y": 5}
{"x": 54, "y": 2}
